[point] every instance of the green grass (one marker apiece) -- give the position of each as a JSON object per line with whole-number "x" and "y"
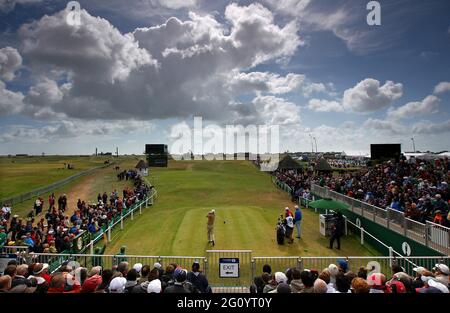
{"x": 247, "y": 205}
{"x": 86, "y": 187}
{"x": 23, "y": 174}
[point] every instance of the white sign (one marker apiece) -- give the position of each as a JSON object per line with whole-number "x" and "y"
{"x": 229, "y": 267}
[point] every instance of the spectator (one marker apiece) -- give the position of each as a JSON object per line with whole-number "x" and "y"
{"x": 5, "y": 283}
{"x": 320, "y": 286}
{"x": 298, "y": 220}
{"x": 259, "y": 281}
{"x": 19, "y": 278}
{"x": 342, "y": 283}
{"x": 441, "y": 273}
{"x": 131, "y": 280}
{"x": 198, "y": 280}
{"x": 377, "y": 283}
{"x": 271, "y": 285}
{"x": 179, "y": 284}
{"x": 117, "y": 285}
{"x": 154, "y": 286}
{"x": 145, "y": 270}
{"x": 107, "y": 275}
{"x": 40, "y": 271}
{"x": 359, "y": 285}
{"x": 296, "y": 283}
{"x": 308, "y": 281}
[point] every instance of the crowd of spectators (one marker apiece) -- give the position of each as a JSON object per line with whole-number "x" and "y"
{"x": 53, "y": 231}
{"x": 123, "y": 278}
{"x": 340, "y": 279}
{"x": 419, "y": 188}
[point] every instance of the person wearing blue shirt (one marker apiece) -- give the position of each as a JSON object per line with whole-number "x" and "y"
{"x": 297, "y": 220}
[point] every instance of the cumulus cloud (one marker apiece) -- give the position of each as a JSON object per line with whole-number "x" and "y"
{"x": 71, "y": 129}
{"x": 427, "y": 127}
{"x": 416, "y": 108}
{"x": 264, "y": 82}
{"x": 10, "y": 62}
{"x": 9, "y": 5}
{"x": 322, "y": 105}
{"x": 384, "y": 126}
{"x": 369, "y": 96}
{"x": 10, "y": 102}
{"x": 442, "y": 87}
{"x": 175, "y": 69}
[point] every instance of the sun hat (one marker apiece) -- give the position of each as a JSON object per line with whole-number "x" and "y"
{"x": 154, "y": 286}
{"x": 157, "y": 265}
{"x": 39, "y": 268}
{"x": 419, "y": 269}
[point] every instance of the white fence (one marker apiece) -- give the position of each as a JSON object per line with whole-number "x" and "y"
{"x": 430, "y": 234}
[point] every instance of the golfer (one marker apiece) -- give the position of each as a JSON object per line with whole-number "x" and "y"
{"x": 210, "y": 226}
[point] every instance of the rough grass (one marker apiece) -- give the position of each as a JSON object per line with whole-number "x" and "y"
{"x": 247, "y": 205}
{"x": 23, "y": 174}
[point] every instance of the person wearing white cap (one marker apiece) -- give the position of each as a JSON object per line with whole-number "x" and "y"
{"x": 210, "y": 226}
{"x": 117, "y": 285}
{"x": 154, "y": 286}
{"x": 138, "y": 267}
{"x": 441, "y": 273}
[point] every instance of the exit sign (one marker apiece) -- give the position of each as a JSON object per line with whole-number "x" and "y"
{"x": 229, "y": 267}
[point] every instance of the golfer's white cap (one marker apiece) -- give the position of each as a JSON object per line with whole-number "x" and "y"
{"x": 213, "y": 211}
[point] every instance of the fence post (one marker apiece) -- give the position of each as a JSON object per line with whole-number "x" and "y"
{"x": 362, "y": 235}
{"x": 109, "y": 233}
{"x": 121, "y": 221}
{"x": 390, "y": 256}
{"x": 427, "y": 231}
{"x": 253, "y": 269}
{"x": 405, "y": 229}
{"x": 132, "y": 214}
{"x": 140, "y": 207}
{"x": 345, "y": 228}
{"x": 387, "y": 218}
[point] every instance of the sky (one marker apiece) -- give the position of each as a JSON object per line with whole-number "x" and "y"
{"x": 136, "y": 72}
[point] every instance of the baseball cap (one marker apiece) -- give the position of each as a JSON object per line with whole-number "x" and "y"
{"x": 157, "y": 265}
{"x": 154, "y": 286}
{"x": 443, "y": 268}
{"x": 419, "y": 269}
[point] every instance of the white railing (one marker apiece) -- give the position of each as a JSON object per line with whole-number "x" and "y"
{"x": 144, "y": 203}
{"x": 430, "y": 234}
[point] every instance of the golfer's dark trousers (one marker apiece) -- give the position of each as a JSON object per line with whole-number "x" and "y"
{"x": 337, "y": 238}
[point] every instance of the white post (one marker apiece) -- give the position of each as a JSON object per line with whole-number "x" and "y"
{"x": 132, "y": 214}
{"x": 346, "y": 229}
{"x": 121, "y": 221}
{"x": 109, "y": 234}
{"x": 140, "y": 208}
{"x": 390, "y": 256}
{"x": 92, "y": 246}
{"x": 362, "y": 236}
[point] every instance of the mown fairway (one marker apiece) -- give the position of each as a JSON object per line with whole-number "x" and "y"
{"x": 247, "y": 205}
{"x": 23, "y": 174}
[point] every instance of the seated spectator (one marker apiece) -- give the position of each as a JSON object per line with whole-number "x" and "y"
{"x": 441, "y": 273}
{"x": 179, "y": 285}
{"x": 308, "y": 281}
{"x": 377, "y": 283}
{"x": 131, "y": 280}
{"x": 5, "y": 283}
{"x": 320, "y": 286}
{"x": 19, "y": 277}
{"x": 360, "y": 285}
{"x": 342, "y": 283}
{"x": 117, "y": 285}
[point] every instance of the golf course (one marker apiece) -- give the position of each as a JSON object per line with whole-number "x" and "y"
{"x": 247, "y": 205}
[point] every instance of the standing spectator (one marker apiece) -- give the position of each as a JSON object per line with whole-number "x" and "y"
{"x": 198, "y": 280}
{"x": 179, "y": 284}
{"x": 51, "y": 201}
{"x": 296, "y": 282}
{"x": 298, "y": 220}
{"x": 320, "y": 286}
{"x": 210, "y": 226}
{"x": 5, "y": 283}
{"x": 19, "y": 278}
{"x": 337, "y": 231}
{"x": 441, "y": 272}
